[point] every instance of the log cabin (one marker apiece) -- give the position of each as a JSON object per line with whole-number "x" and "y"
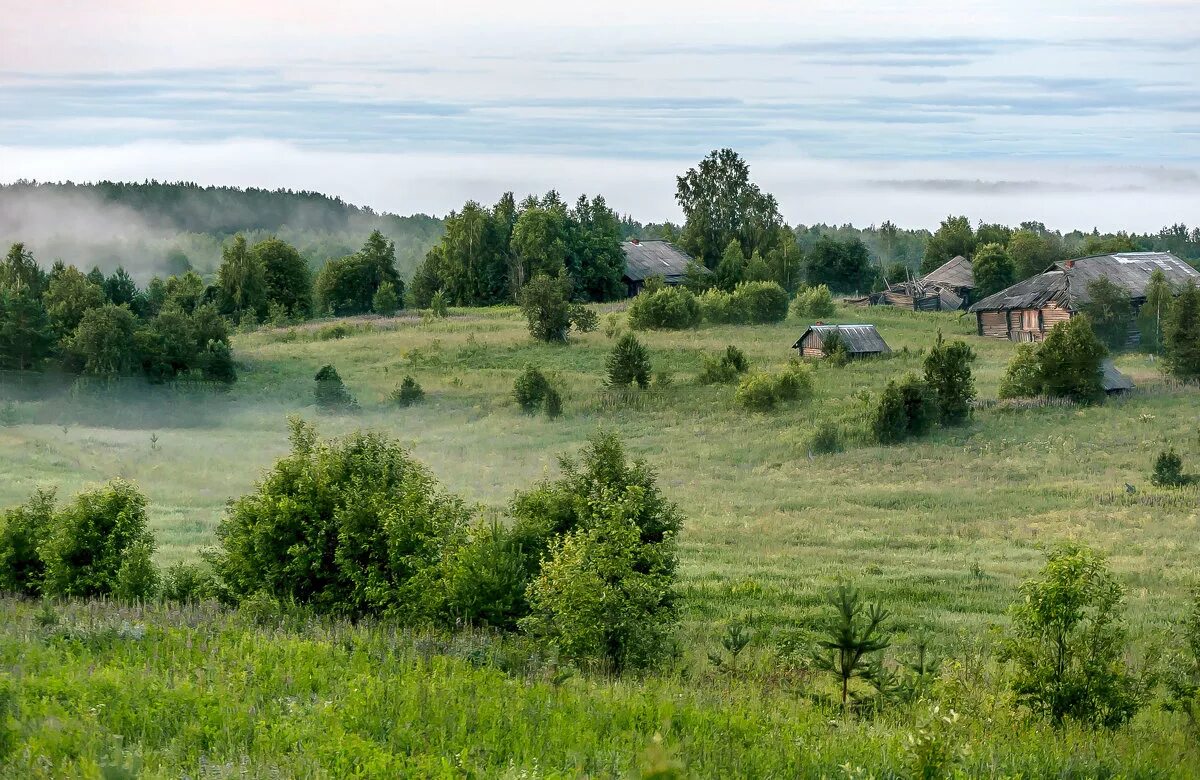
{"x": 644, "y": 259}
{"x": 859, "y": 340}
{"x": 1030, "y": 308}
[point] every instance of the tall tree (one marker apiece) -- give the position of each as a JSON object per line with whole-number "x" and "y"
{"x": 721, "y": 204}
{"x": 598, "y": 260}
{"x": 841, "y": 265}
{"x": 993, "y": 269}
{"x": 1154, "y": 311}
{"x": 19, "y": 271}
{"x": 953, "y": 237}
{"x": 286, "y": 275}
{"x": 68, "y": 296}
{"x": 242, "y": 281}
{"x": 1182, "y": 335}
{"x": 1032, "y": 252}
{"x": 26, "y": 335}
{"x": 732, "y": 267}
{"x": 1109, "y": 307}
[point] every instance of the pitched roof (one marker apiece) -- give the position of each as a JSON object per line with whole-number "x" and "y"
{"x": 1066, "y": 283}
{"x": 644, "y": 259}
{"x": 1114, "y": 381}
{"x": 953, "y": 273}
{"x": 859, "y": 339}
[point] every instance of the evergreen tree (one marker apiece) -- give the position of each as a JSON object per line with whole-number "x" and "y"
{"x": 948, "y": 374}
{"x": 1182, "y": 335}
{"x": 385, "y": 301}
{"x": 20, "y": 272}
{"x": 1110, "y": 310}
{"x": 26, "y": 333}
{"x": 852, "y": 640}
{"x": 629, "y": 362}
{"x": 1070, "y": 361}
{"x": 330, "y": 393}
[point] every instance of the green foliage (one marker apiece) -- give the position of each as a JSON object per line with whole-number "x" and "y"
{"x": 730, "y": 272}
{"x": 1022, "y": 377}
{"x": 437, "y": 304}
{"x": 530, "y": 388}
{"x": 1110, "y": 310}
{"x": 993, "y": 270}
{"x": 669, "y": 308}
{"x": 736, "y": 638}
{"x": 23, "y": 531}
{"x": 1153, "y": 313}
{"x": 1168, "y": 470}
{"x": 723, "y": 368}
{"x": 330, "y": 393}
{"x": 408, "y": 393}
{"x": 217, "y": 363}
{"x": 720, "y": 205}
{"x": 833, "y": 347}
{"x": 353, "y": 526}
{"x": 583, "y": 319}
{"x": 1182, "y": 335}
{"x": 138, "y": 579}
{"x": 1033, "y": 252}
{"x": 1182, "y": 668}
{"x": 26, "y": 332}
{"x": 1068, "y": 642}
{"x": 1070, "y": 361}
{"x": 91, "y": 538}
{"x": 288, "y": 281}
{"x": 762, "y": 392}
{"x": 629, "y": 362}
{"x": 826, "y": 439}
{"x": 188, "y": 583}
{"x": 948, "y": 375}
{"x": 103, "y": 343}
{"x": 762, "y": 302}
{"x": 719, "y": 307}
{"x": 840, "y": 265}
{"x": 546, "y": 303}
{"x": 385, "y": 302}
{"x": 348, "y": 285}
{"x": 851, "y": 641}
{"x": 553, "y": 403}
{"x": 68, "y": 296}
{"x": 815, "y": 302}
{"x": 907, "y": 408}
{"x": 953, "y": 237}
{"x": 485, "y": 577}
{"x": 242, "y": 279}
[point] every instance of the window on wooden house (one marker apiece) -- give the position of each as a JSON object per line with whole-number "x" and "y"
{"x": 1031, "y": 320}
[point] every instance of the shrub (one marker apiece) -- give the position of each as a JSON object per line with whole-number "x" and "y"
{"x": 23, "y": 531}
{"x": 725, "y": 367}
{"x": 814, "y": 302}
{"x": 720, "y": 307}
{"x": 761, "y": 302}
{"x": 1109, "y": 308}
{"x": 1168, "y": 470}
{"x": 408, "y": 393}
{"x": 353, "y": 526}
{"x": 583, "y": 319}
{"x": 546, "y": 303}
{"x": 138, "y": 579}
{"x": 669, "y": 308}
{"x": 756, "y": 392}
{"x": 188, "y": 583}
{"x": 329, "y": 393}
{"x": 530, "y": 389}
{"x": 1070, "y": 361}
{"x": 437, "y": 304}
{"x": 833, "y": 346}
{"x": 629, "y": 362}
{"x": 486, "y": 576}
{"x": 217, "y": 363}
{"x": 794, "y": 383}
{"x": 553, "y": 404}
{"x": 826, "y": 439}
{"x": 948, "y": 375}
{"x": 91, "y": 537}
{"x": 385, "y": 301}
{"x": 1022, "y": 377}
{"x": 1068, "y": 642}
{"x": 607, "y": 538}
{"x": 905, "y": 409}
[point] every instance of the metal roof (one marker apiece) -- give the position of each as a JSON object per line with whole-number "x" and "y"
{"x": 954, "y": 273}
{"x": 859, "y": 339}
{"x": 1065, "y": 283}
{"x": 644, "y": 259}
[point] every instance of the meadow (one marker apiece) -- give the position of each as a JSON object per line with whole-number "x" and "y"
{"x": 942, "y": 530}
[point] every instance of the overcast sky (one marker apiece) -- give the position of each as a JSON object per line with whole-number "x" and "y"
{"x": 1078, "y": 113}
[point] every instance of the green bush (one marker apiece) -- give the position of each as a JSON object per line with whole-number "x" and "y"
{"x": 906, "y": 408}
{"x": 833, "y": 347}
{"x": 553, "y": 404}
{"x": 1181, "y": 334}
{"x": 530, "y": 389}
{"x": 485, "y": 578}
{"x": 1022, "y": 376}
{"x": 23, "y": 530}
{"x": 330, "y": 393}
{"x": 188, "y": 583}
{"x": 1068, "y": 642}
{"x": 723, "y": 368}
{"x": 948, "y": 375}
{"x": 629, "y": 362}
{"x": 794, "y": 383}
{"x": 1070, "y": 361}
{"x": 720, "y": 308}
{"x": 814, "y": 303}
{"x": 353, "y": 526}
{"x": 91, "y": 537}
{"x": 668, "y": 308}
{"x": 826, "y": 439}
{"x": 438, "y": 305}
{"x": 762, "y": 392}
{"x": 761, "y": 302}
{"x": 385, "y": 301}
{"x": 138, "y": 580}
{"x": 1168, "y": 470}
{"x": 408, "y": 393}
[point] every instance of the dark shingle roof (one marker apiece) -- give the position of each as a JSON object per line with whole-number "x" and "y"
{"x": 955, "y": 273}
{"x": 1114, "y": 380}
{"x": 1066, "y": 283}
{"x": 654, "y": 258}
{"x": 859, "y": 339}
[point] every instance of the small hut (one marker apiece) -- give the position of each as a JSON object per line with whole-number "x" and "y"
{"x": 1114, "y": 381}
{"x": 859, "y": 340}
{"x": 644, "y": 259}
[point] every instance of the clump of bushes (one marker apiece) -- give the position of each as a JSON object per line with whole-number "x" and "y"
{"x": 546, "y": 304}
{"x": 628, "y": 363}
{"x": 385, "y": 302}
{"x": 533, "y": 391}
{"x": 724, "y": 368}
{"x": 1168, "y": 470}
{"x": 665, "y": 308}
{"x": 762, "y": 392}
{"x": 748, "y": 303}
{"x": 408, "y": 393}
{"x": 826, "y": 439}
{"x": 1068, "y": 364}
{"x": 905, "y": 409}
{"x": 813, "y": 302}
{"x": 330, "y": 393}
{"x": 948, "y": 375}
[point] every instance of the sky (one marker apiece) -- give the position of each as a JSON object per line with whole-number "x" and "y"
{"x": 1076, "y": 113}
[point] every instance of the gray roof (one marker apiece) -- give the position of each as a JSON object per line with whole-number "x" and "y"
{"x": 954, "y": 273}
{"x": 1066, "y": 283}
{"x": 644, "y": 259}
{"x": 1114, "y": 380}
{"x": 859, "y": 339}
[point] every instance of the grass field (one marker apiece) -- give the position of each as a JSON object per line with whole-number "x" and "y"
{"x": 942, "y": 530}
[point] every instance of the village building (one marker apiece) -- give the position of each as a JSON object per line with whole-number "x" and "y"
{"x": 859, "y": 340}
{"x": 946, "y": 288}
{"x": 1029, "y": 309}
{"x": 644, "y": 259}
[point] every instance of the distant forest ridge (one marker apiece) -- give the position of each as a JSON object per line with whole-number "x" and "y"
{"x": 154, "y": 227}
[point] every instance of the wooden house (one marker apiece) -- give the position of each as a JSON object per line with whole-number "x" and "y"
{"x": 947, "y": 288}
{"x": 1029, "y": 309}
{"x": 644, "y": 259}
{"x": 859, "y": 340}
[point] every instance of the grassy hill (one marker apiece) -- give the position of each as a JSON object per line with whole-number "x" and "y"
{"x": 942, "y": 530}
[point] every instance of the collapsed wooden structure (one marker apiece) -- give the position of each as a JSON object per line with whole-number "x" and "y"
{"x": 946, "y": 288}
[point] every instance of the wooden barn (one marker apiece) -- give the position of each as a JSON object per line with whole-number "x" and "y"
{"x": 946, "y": 288}
{"x": 1029, "y": 309}
{"x": 859, "y": 340}
{"x": 644, "y": 259}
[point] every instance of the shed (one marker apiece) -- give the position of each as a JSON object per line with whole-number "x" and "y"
{"x": 1030, "y": 308}
{"x": 1114, "y": 381}
{"x": 644, "y": 259}
{"x": 860, "y": 340}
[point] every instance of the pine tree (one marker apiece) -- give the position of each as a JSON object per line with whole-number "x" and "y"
{"x": 330, "y": 393}
{"x": 852, "y": 640}
{"x": 948, "y": 374}
{"x": 385, "y": 302}
{"x": 1182, "y": 335}
{"x": 629, "y": 362}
